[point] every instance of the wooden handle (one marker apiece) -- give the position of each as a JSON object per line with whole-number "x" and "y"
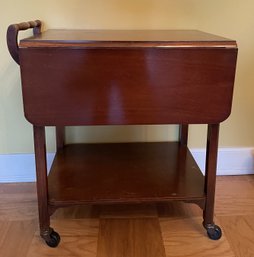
{"x": 12, "y": 36}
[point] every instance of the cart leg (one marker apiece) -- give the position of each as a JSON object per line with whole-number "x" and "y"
{"x": 183, "y": 140}
{"x": 60, "y": 135}
{"x": 183, "y": 134}
{"x": 47, "y": 233}
{"x": 213, "y": 231}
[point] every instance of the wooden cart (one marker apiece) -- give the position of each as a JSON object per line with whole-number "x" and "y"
{"x": 77, "y": 77}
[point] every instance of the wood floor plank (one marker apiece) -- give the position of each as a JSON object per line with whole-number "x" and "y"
{"x": 18, "y": 211}
{"x": 130, "y": 230}
{"x": 187, "y": 237}
{"x": 249, "y": 178}
{"x": 234, "y": 195}
{"x": 178, "y": 209}
{"x": 130, "y": 238}
{"x": 4, "y": 226}
{"x": 18, "y": 188}
{"x": 77, "y": 212}
{"x": 78, "y": 238}
{"x": 240, "y": 233}
{"x": 18, "y": 202}
{"x": 16, "y": 237}
{"x": 117, "y": 211}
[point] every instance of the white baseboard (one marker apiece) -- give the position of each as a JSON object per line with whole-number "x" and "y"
{"x": 231, "y": 161}
{"x": 19, "y": 167}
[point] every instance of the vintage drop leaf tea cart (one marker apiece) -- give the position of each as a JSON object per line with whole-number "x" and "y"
{"x": 100, "y": 77}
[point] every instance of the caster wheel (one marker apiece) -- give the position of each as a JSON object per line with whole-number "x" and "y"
{"x": 54, "y": 239}
{"x": 214, "y": 232}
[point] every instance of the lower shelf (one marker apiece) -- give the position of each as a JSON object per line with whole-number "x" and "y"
{"x": 124, "y": 172}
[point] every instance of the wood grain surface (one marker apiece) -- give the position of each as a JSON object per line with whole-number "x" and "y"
{"x": 234, "y": 196}
{"x": 124, "y": 173}
{"x": 185, "y": 237}
{"x": 240, "y": 227}
{"x": 126, "y": 237}
{"x": 165, "y": 229}
{"x": 120, "y": 38}
{"x": 151, "y": 86}
{"x": 16, "y": 237}
{"x": 78, "y": 238}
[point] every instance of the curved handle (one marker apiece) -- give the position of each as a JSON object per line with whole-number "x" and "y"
{"x": 12, "y": 36}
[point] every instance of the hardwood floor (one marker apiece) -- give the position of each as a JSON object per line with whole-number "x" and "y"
{"x": 149, "y": 230}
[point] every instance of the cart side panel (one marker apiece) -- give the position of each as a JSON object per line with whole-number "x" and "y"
{"x": 79, "y": 86}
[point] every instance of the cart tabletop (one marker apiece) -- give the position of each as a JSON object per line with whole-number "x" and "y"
{"x": 134, "y": 38}
{"x": 112, "y": 77}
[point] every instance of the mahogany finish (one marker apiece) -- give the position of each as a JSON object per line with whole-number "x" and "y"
{"x": 77, "y": 77}
{"x": 127, "y": 86}
{"x": 211, "y": 166}
{"x": 41, "y": 178}
{"x": 183, "y": 134}
{"x": 126, "y": 38}
{"x": 12, "y": 36}
{"x": 60, "y": 137}
{"x": 124, "y": 172}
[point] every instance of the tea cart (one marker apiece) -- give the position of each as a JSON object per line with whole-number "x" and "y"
{"x": 121, "y": 77}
